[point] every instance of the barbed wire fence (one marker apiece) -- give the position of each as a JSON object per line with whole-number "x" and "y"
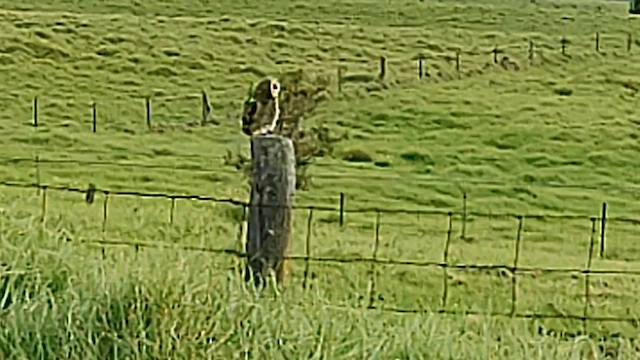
{"x": 37, "y": 162}
{"x": 514, "y": 268}
{"x": 151, "y": 107}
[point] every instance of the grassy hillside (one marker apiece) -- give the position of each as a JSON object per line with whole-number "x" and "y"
{"x": 557, "y": 136}
{"x": 492, "y": 124}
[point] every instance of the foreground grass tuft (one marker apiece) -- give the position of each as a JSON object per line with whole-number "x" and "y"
{"x": 170, "y": 315}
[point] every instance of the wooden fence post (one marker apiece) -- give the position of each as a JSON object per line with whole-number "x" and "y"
{"x": 307, "y": 250}
{"x": 587, "y": 273}
{"x": 445, "y": 262}
{"x": 372, "y": 270}
{"x": 603, "y": 225}
{"x": 147, "y": 103}
{"x": 95, "y": 117}
{"x": 273, "y": 183}
{"x": 172, "y": 210}
{"x": 383, "y": 67}
{"x": 35, "y": 111}
{"x": 516, "y": 259}
{"x": 43, "y": 217}
{"x": 463, "y": 230}
{"x": 341, "y": 209}
{"x": 206, "y": 108}
{"x": 105, "y": 212}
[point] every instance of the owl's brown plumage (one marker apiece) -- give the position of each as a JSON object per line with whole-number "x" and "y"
{"x": 262, "y": 112}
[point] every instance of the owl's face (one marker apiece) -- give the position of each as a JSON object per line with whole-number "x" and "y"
{"x": 275, "y": 89}
{"x": 267, "y": 89}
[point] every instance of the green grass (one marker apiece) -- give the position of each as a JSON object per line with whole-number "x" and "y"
{"x": 412, "y": 144}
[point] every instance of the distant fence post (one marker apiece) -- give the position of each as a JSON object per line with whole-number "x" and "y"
{"x": 458, "y": 62}
{"x": 563, "y": 43}
{"x": 516, "y": 259}
{"x": 206, "y": 108}
{"x": 95, "y": 117}
{"x": 383, "y": 67}
{"x": 587, "y": 273}
{"x": 147, "y": 104}
{"x": 172, "y": 210}
{"x": 44, "y": 205}
{"x": 463, "y": 230}
{"x": 372, "y": 269}
{"x": 341, "y": 208}
{"x": 339, "y": 74}
{"x": 273, "y": 180}
{"x": 307, "y": 249}
{"x": 603, "y": 228}
{"x": 420, "y": 69}
{"x": 35, "y": 112}
{"x": 445, "y": 262}
{"x": 495, "y": 52}
{"x": 531, "y": 52}
{"x": 105, "y": 212}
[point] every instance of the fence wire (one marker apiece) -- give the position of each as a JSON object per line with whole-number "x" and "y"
{"x": 375, "y": 260}
{"x": 373, "y": 209}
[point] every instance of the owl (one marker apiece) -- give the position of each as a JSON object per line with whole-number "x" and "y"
{"x": 261, "y": 112}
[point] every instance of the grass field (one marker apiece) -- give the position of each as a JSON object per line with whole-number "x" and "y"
{"x": 498, "y": 135}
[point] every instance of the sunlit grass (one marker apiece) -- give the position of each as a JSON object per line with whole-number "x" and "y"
{"x": 422, "y": 143}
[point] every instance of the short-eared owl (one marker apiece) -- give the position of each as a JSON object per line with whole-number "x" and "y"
{"x": 262, "y": 112}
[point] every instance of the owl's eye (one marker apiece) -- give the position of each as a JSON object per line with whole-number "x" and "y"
{"x": 275, "y": 87}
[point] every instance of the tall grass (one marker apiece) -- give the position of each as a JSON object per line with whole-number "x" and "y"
{"x": 563, "y": 119}
{"x": 62, "y": 300}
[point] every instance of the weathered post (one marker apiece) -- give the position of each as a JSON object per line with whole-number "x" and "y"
{"x": 273, "y": 183}
{"x": 206, "y": 108}
{"x": 383, "y": 67}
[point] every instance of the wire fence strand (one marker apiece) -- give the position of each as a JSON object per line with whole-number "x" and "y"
{"x": 366, "y": 260}
{"x": 375, "y": 260}
{"x": 380, "y": 261}
{"x": 373, "y": 209}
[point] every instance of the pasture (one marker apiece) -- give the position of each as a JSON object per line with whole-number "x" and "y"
{"x": 550, "y": 141}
